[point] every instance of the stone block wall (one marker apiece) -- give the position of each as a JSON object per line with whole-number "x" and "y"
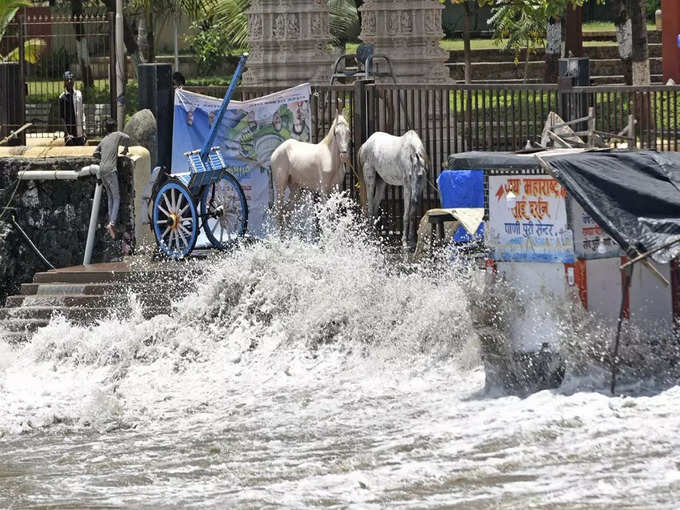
{"x": 56, "y": 216}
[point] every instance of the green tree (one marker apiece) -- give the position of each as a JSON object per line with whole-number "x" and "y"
{"x": 640, "y": 53}
{"x": 517, "y": 28}
{"x": 631, "y": 36}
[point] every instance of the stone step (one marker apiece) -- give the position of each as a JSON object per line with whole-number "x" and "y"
{"x": 14, "y": 337}
{"x": 90, "y": 301}
{"x": 618, "y": 79}
{"x": 483, "y": 71}
{"x": 110, "y": 288}
{"x": 657, "y": 79}
{"x": 77, "y": 315}
{"x": 505, "y": 56}
{"x": 87, "y": 276}
{"x": 22, "y": 325}
{"x": 653, "y": 36}
{"x": 28, "y": 289}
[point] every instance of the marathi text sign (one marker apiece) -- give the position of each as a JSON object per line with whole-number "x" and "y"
{"x": 250, "y": 131}
{"x": 590, "y": 241}
{"x": 528, "y": 220}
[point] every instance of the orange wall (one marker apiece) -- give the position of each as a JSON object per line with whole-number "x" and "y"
{"x": 671, "y": 29}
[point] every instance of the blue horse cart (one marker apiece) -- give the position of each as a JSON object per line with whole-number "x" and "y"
{"x": 206, "y": 196}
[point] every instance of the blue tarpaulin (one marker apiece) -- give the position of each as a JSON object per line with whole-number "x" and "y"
{"x": 460, "y": 189}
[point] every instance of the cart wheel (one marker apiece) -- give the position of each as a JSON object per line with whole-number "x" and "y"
{"x": 175, "y": 220}
{"x": 224, "y": 211}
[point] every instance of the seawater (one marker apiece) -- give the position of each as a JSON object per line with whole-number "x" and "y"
{"x": 323, "y": 374}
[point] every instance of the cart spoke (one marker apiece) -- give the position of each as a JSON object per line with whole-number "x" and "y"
{"x": 180, "y": 200}
{"x": 181, "y": 237}
{"x": 167, "y": 203}
{"x": 160, "y": 208}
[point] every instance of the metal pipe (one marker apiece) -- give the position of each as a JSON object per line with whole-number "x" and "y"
{"x": 94, "y": 217}
{"x": 120, "y": 67}
{"x": 47, "y": 175}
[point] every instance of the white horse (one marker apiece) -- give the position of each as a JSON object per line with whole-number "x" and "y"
{"x": 398, "y": 161}
{"x": 317, "y": 167}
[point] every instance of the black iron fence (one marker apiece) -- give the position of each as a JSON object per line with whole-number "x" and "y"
{"x": 458, "y": 118}
{"x": 46, "y": 46}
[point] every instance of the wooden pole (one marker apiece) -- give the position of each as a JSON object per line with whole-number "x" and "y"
{"x": 628, "y": 276}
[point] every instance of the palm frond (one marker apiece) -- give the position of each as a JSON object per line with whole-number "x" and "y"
{"x": 344, "y": 23}
{"x": 231, "y": 16}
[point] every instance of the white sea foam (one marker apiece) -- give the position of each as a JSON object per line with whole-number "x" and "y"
{"x": 302, "y": 374}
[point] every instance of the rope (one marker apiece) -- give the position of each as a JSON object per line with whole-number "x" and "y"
{"x": 28, "y": 239}
{"x": 11, "y": 198}
{"x": 356, "y": 175}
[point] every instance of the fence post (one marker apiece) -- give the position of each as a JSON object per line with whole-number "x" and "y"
{"x": 10, "y": 112}
{"x": 22, "y": 75}
{"x": 361, "y": 128}
{"x": 112, "y": 64}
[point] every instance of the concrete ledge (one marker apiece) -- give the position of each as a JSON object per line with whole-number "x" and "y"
{"x": 141, "y": 162}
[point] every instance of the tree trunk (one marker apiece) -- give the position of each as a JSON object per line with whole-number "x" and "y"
{"x": 640, "y": 54}
{"x": 142, "y": 41}
{"x": 553, "y": 50}
{"x": 624, "y": 38}
{"x": 526, "y": 64}
{"x": 82, "y": 51}
{"x": 467, "y": 50}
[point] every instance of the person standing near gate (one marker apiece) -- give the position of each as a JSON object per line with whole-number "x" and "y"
{"x": 71, "y": 112}
{"x": 107, "y": 169}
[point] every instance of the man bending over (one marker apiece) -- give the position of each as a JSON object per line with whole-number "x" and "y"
{"x": 107, "y": 170}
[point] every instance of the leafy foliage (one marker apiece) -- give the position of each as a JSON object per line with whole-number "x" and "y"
{"x": 210, "y": 45}
{"x": 8, "y": 9}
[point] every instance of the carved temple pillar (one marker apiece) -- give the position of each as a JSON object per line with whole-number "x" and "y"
{"x": 408, "y": 33}
{"x": 288, "y": 43}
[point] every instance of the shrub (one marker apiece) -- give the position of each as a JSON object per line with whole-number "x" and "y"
{"x": 210, "y": 44}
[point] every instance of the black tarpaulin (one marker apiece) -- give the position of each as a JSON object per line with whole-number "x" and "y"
{"x": 633, "y": 196}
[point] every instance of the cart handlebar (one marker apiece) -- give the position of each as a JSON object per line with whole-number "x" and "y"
{"x": 223, "y": 108}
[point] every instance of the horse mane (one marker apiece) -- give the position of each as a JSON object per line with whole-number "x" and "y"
{"x": 329, "y": 136}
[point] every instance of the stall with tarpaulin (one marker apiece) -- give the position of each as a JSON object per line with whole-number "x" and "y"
{"x": 634, "y": 197}
{"x": 616, "y": 209}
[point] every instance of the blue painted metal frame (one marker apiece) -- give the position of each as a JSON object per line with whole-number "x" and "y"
{"x": 206, "y": 166}
{"x": 223, "y": 107}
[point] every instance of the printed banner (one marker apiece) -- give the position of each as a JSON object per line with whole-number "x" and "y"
{"x": 250, "y": 131}
{"x": 590, "y": 241}
{"x": 529, "y": 224}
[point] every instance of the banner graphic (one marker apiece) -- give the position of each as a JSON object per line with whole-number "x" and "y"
{"x": 250, "y": 131}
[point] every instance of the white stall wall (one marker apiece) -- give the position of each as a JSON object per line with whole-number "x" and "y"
{"x": 603, "y": 279}
{"x": 540, "y": 284}
{"x": 651, "y": 302}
